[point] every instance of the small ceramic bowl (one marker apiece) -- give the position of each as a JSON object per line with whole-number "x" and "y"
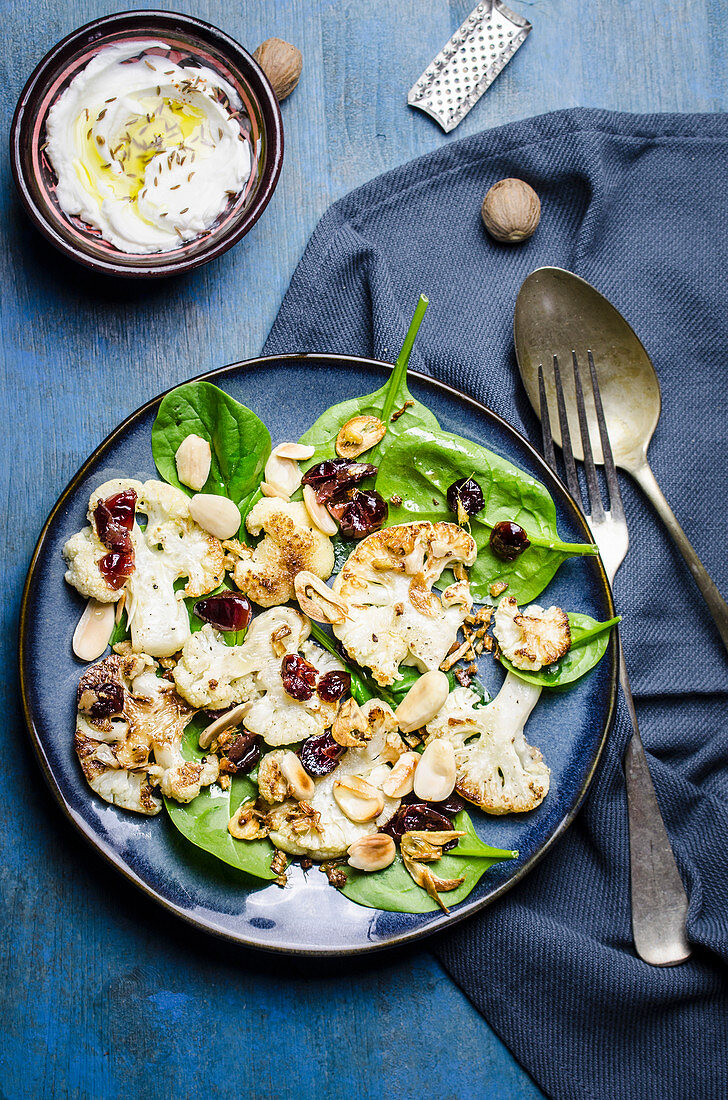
{"x": 188, "y": 39}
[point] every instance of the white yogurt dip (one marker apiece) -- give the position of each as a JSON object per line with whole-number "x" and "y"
{"x": 144, "y": 150}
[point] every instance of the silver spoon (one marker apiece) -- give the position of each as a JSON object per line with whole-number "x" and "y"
{"x": 556, "y": 313}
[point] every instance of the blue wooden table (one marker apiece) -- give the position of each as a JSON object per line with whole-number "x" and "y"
{"x": 103, "y": 994}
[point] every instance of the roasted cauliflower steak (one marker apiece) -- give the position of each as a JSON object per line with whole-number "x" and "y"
{"x": 319, "y": 828}
{"x": 394, "y": 616}
{"x": 172, "y": 546}
{"x": 497, "y": 769}
{"x": 129, "y": 730}
{"x": 291, "y": 543}
{"x": 213, "y": 675}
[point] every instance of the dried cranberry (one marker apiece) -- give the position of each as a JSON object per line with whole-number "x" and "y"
{"x": 336, "y": 475}
{"x": 365, "y": 512}
{"x": 468, "y": 494}
{"x": 321, "y": 754}
{"x": 334, "y": 685}
{"x": 116, "y": 567}
{"x": 114, "y": 519}
{"x": 226, "y": 611}
{"x": 299, "y": 677}
{"x": 102, "y": 700}
{"x": 417, "y": 816}
{"x": 244, "y": 753}
{"x": 451, "y": 805}
{"x": 508, "y": 540}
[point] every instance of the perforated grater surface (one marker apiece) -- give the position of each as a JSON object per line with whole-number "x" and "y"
{"x": 469, "y": 63}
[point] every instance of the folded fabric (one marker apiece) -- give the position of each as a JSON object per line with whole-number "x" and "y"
{"x": 637, "y": 205}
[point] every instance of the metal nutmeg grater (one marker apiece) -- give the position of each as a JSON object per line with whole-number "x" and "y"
{"x": 469, "y": 63}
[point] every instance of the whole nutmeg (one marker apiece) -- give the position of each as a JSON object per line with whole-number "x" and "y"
{"x": 511, "y": 211}
{"x": 282, "y": 63}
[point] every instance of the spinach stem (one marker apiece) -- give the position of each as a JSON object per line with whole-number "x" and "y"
{"x": 565, "y": 547}
{"x": 400, "y": 367}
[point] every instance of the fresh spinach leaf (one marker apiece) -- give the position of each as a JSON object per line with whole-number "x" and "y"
{"x": 421, "y": 464}
{"x": 363, "y": 687}
{"x": 342, "y": 549}
{"x": 589, "y": 640}
{"x": 395, "y": 890}
{"x": 384, "y": 403}
{"x": 239, "y": 440}
{"x": 121, "y": 630}
{"x": 204, "y": 821}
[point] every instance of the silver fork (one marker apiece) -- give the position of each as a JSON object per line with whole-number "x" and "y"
{"x": 659, "y": 901}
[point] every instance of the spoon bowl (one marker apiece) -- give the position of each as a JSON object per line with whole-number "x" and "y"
{"x": 558, "y": 314}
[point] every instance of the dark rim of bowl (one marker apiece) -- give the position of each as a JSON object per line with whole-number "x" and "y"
{"x": 249, "y": 70}
{"x": 440, "y": 921}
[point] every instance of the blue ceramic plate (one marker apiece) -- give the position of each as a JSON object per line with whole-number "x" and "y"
{"x": 308, "y": 916}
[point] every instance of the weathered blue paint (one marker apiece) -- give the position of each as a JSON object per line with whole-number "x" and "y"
{"x": 102, "y": 994}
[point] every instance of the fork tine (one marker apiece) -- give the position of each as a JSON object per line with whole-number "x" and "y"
{"x": 616, "y": 506}
{"x": 548, "y": 442}
{"x": 571, "y": 479}
{"x": 590, "y": 470}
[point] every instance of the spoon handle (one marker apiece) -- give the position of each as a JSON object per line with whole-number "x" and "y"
{"x": 659, "y": 901}
{"x": 717, "y": 606}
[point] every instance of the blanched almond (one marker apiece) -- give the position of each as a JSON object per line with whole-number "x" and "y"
{"x": 317, "y": 600}
{"x": 193, "y": 460}
{"x": 224, "y": 722}
{"x": 247, "y": 823}
{"x": 320, "y": 516}
{"x": 299, "y": 781}
{"x": 284, "y": 472}
{"x": 436, "y": 773}
{"x": 299, "y": 452}
{"x": 350, "y": 727}
{"x": 372, "y": 853}
{"x": 92, "y": 633}
{"x": 270, "y": 489}
{"x": 358, "y": 799}
{"x": 401, "y": 779}
{"x": 422, "y": 701}
{"x": 359, "y": 435}
{"x": 217, "y": 515}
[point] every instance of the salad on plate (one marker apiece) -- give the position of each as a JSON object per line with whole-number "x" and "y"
{"x": 294, "y": 635}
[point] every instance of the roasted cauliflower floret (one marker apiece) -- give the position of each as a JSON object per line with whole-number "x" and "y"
{"x": 394, "y": 616}
{"x": 82, "y": 554}
{"x": 129, "y": 732}
{"x": 291, "y": 543}
{"x": 84, "y": 550}
{"x": 213, "y": 675}
{"x": 531, "y": 638}
{"x": 189, "y": 551}
{"x": 319, "y": 828}
{"x": 496, "y": 768}
{"x": 171, "y": 546}
{"x": 282, "y": 720}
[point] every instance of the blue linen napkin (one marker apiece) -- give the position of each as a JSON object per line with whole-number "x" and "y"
{"x": 637, "y": 205}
